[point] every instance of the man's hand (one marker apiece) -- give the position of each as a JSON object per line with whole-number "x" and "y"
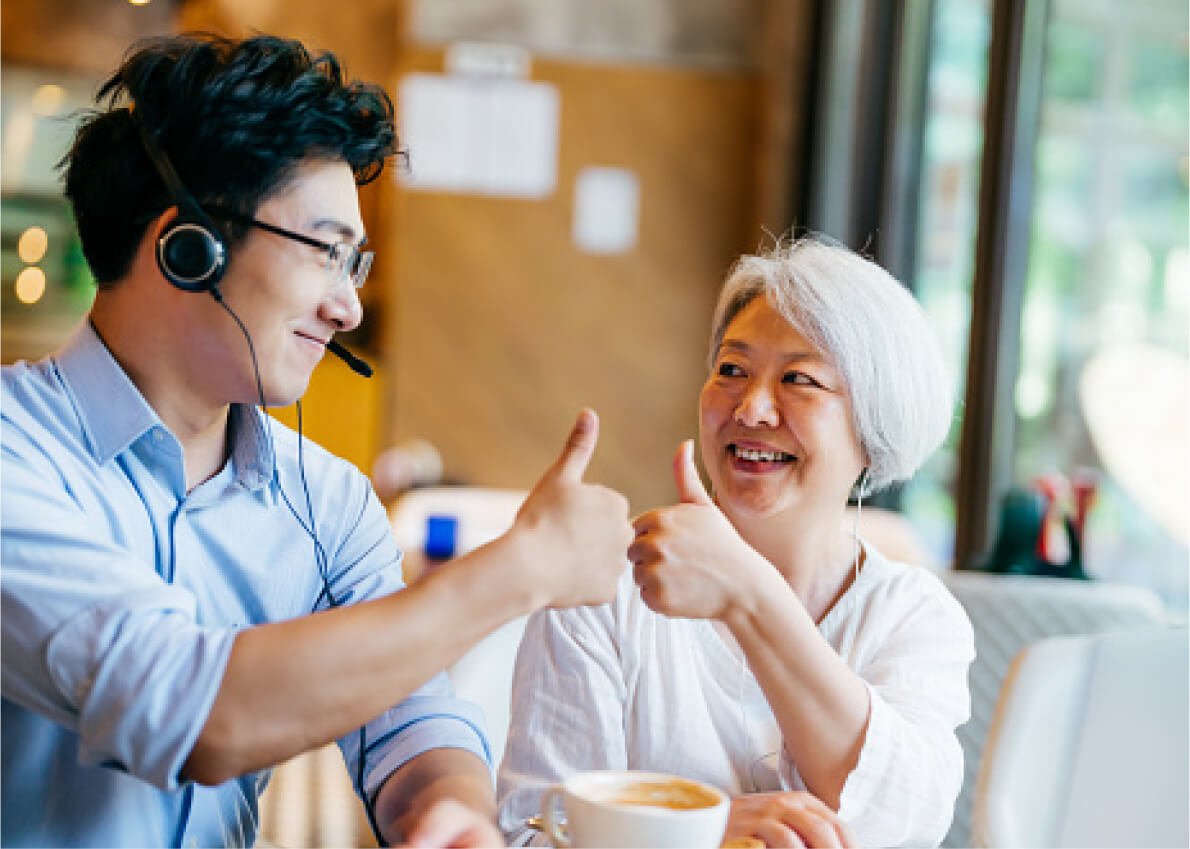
{"x": 689, "y": 559}
{"x": 786, "y": 818}
{"x": 573, "y": 535}
{"x": 450, "y": 824}
{"x": 443, "y": 797}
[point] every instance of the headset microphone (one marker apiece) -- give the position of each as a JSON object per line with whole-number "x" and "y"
{"x": 353, "y": 362}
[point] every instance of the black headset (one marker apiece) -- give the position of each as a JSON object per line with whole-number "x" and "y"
{"x": 191, "y": 253}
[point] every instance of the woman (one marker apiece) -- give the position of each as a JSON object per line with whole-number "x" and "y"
{"x": 770, "y": 651}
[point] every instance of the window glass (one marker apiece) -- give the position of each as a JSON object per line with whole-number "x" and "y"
{"x": 952, "y": 146}
{"x": 1102, "y": 384}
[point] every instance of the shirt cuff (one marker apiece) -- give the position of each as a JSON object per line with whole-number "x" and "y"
{"x": 460, "y": 728}
{"x": 875, "y": 758}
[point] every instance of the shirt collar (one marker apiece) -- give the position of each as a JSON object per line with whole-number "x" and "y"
{"x": 252, "y": 448}
{"x": 115, "y": 414}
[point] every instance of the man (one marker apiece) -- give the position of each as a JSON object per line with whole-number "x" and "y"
{"x": 180, "y": 610}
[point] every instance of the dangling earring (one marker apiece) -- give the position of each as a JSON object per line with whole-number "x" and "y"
{"x": 860, "y": 485}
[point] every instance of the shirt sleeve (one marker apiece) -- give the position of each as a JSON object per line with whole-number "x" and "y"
{"x": 95, "y": 640}
{"x": 431, "y": 717}
{"x": 353, "y": 529}
{"x": 910, "y": 769}
{"x": 568, "y": 697}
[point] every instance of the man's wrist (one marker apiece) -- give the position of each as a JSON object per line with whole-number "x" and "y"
{"x": 516, "y": 569}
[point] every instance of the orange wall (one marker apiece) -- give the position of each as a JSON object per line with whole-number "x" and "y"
{"x": 340, "y": 411}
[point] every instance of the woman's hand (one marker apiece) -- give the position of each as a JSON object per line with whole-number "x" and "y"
{"x": 785, "y": 818}
{"x": 689, "y": 560}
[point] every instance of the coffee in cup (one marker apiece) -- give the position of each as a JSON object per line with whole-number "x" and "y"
{"x": 677, "y": 793}
{"x": 627, "y": 808}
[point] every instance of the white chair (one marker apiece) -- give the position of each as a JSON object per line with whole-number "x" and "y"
{"x": 1088, "y": 746}
{"x": 1008, "y": 612}
{"x": 482, "y": 514}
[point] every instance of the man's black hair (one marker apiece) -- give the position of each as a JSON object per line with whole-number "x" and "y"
{"x": 236, "y": 118}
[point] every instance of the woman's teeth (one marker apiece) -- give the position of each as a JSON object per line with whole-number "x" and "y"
{"x": 761, "y": 456}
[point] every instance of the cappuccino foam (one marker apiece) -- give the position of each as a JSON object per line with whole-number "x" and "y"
{"x": 675, "y": 794}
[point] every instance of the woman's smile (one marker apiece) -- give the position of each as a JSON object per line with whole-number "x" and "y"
{"x": 776, "y": 425}
{"x": 757, "y": 459}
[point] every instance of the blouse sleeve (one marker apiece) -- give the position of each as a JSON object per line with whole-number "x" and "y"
{"x": 568, "y": 697}
{"x": 910, "y": 769}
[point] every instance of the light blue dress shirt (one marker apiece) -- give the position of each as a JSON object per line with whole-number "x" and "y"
{"x": 123, "y": 593}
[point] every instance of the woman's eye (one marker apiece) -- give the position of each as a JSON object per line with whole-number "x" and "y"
{"x": 730, "y": 370}
{"x": 799, "y": 378}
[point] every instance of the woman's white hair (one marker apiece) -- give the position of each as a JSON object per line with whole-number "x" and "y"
{"x": 873, "y": 332}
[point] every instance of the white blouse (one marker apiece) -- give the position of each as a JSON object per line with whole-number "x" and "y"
{"x": 621, "y": 687}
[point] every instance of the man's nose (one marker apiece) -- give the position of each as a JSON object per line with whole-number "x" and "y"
{"x": 342, "y": 307}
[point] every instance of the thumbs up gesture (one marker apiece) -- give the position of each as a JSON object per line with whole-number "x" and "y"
{"x": 573, "y": 535}
{"x": 688, "y": 559}
{"x": 690, "y": 488}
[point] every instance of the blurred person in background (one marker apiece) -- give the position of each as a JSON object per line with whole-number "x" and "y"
{"x": 765, "y": 647}
{"x": 192, "y": 592}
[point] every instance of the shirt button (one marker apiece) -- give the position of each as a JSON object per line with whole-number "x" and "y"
{"x": 158, "y": 435}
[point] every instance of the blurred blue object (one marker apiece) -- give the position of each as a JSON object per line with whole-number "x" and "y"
{"x": 442, "y": 535}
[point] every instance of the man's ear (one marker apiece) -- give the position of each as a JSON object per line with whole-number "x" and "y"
{"x": 144, "y": 259}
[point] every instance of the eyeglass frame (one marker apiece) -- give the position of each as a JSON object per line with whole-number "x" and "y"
{"x": 362, "y": 264}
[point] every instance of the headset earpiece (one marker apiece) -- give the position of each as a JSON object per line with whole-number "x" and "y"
{"x": 190, "y": 256}
{"x": 190, "y": 251}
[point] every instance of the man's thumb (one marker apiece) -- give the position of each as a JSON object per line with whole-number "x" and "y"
{"x": 580, "y": 446}
{"x": 690, "y": 488}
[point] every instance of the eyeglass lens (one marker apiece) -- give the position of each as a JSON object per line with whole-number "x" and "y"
{"x": 348, "y": 262}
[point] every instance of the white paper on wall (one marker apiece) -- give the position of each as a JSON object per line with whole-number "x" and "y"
{"x": 606, "y": 210}
{"x": 487, "y": 59}
{"x": 472, "y": 135}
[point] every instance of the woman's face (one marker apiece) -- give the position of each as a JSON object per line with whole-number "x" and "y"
{"x": 775, "y": 420}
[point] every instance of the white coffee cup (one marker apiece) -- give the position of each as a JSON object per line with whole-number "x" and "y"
{"x": 616, "y": 809}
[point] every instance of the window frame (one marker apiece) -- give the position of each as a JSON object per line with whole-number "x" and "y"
{"x": 879, "y": 164}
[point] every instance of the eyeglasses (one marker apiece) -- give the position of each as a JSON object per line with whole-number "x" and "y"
{"x": 343, "y": 261}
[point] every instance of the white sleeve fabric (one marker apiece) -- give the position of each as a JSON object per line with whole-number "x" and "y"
{"x": 910, "y": 769}
{"x": 568, "y": 698}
